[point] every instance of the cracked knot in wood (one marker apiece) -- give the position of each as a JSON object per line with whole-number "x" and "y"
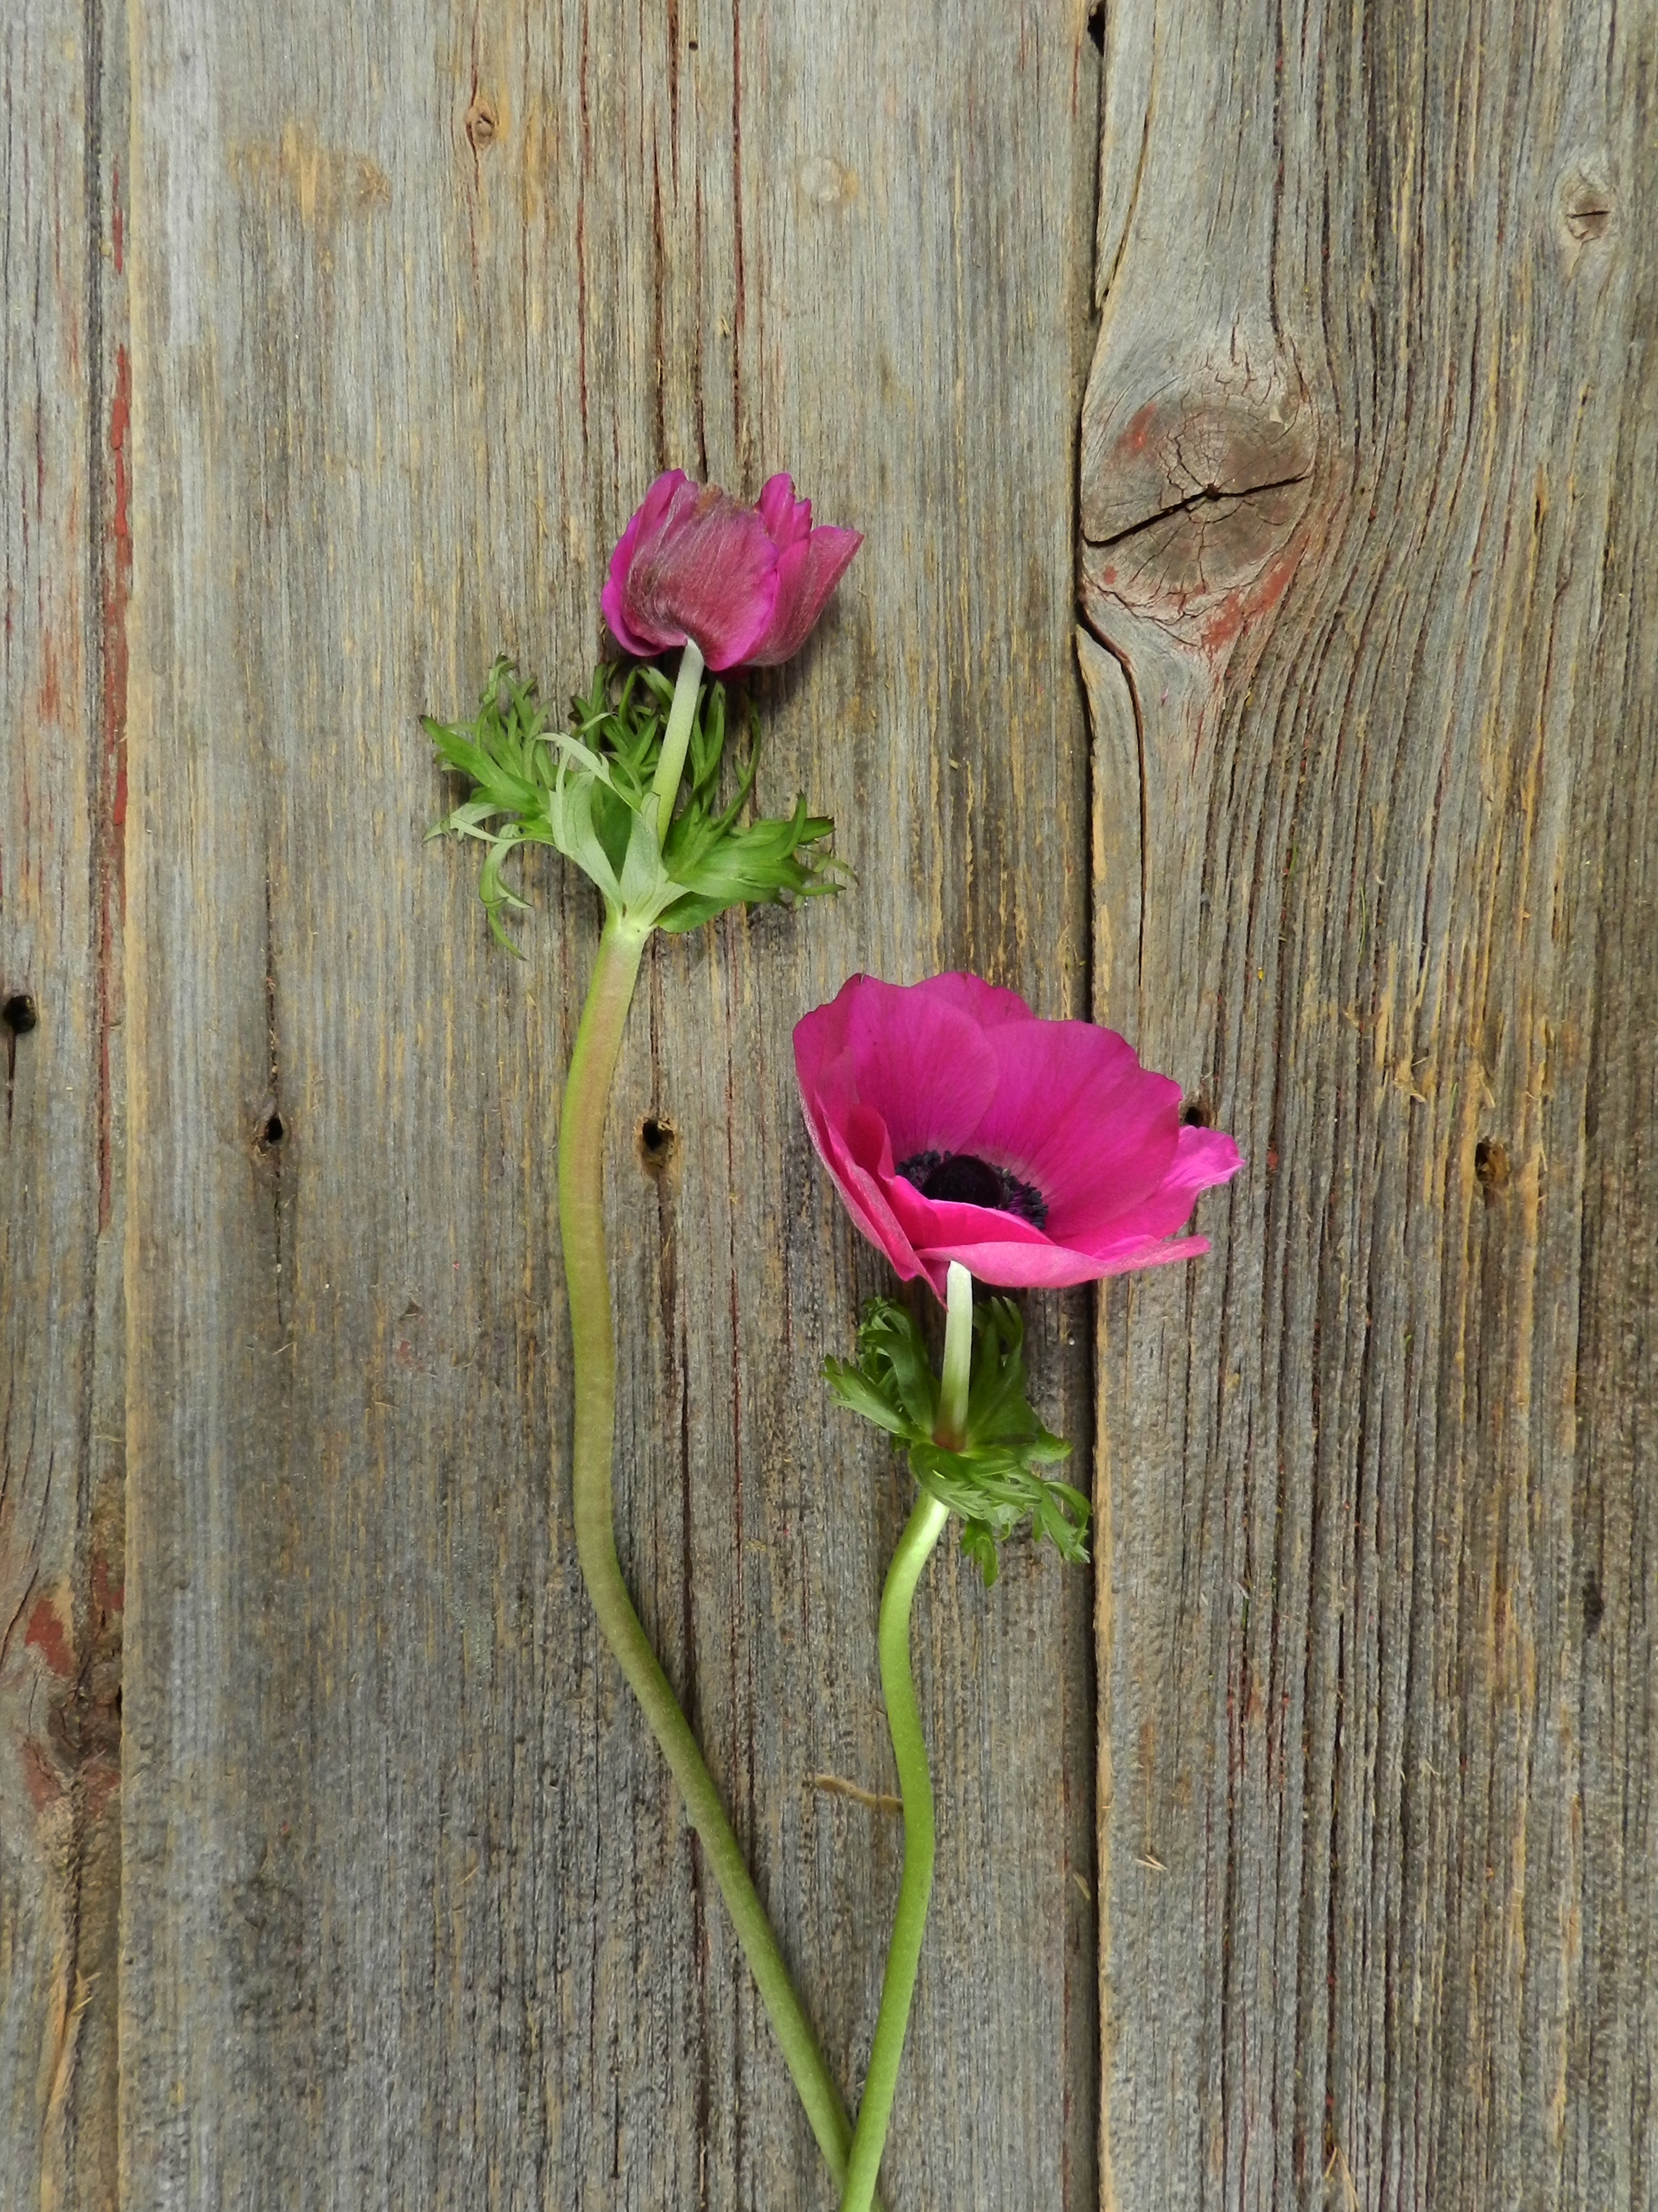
{"x": 1192, "y": 495}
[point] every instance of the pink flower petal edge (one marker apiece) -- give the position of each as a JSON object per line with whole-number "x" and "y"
{"x": 957, "y": 1126}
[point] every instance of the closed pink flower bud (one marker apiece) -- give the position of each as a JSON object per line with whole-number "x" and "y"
{"x": 959, "y": 1127}
{"x": 744, "y": 584}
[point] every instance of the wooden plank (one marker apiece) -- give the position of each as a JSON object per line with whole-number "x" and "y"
{"x": 424, "y": 301}
{"x": 63, "y": 568}
{"x": 1367, "y": 507}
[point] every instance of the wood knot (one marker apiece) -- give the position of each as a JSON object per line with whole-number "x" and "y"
{"x": 483, "y": 123}
{"x": 827, "y": 182}
{"x": 1588, "y": 208}
{"x": 1191, "y": 498}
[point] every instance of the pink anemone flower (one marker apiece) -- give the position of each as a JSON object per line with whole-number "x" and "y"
{"x": 959, "y": 1127}
{"x": 743, "y": 584}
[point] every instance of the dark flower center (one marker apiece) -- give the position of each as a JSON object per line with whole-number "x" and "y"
{"x": 963, "y": 1179}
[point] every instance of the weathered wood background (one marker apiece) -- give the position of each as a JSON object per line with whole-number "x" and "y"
{"x": 353, "y": 1880}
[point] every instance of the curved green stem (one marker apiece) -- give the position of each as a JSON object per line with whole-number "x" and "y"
{"x": 581, "y": 1221}
{"x": 921, "y": 1532}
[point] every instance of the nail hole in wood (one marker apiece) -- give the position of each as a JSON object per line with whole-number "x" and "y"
{"x": 657, "y": 1143}
{"x": 19, "y": 1013}
{"x": 1490, "y": 1163}
{"x": 1594, "y": 1605}
{"x": 1198, "y": 1114}
{"x": 272, "y": 1130}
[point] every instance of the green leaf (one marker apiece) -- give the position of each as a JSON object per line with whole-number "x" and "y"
{"x": 859, "y": 1395}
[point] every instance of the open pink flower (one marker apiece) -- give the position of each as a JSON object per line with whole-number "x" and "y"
{"x": 959, "y": 1127}
{"x": 746, "y": 584}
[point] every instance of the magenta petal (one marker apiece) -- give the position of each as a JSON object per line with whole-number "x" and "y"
{"x": 863, "y": 1192}
{"x": 986, "y": 1004}
{"x": 1203, "y": 1157}
{"x": 647, "y": 517}
{"x": 939, "y": 1227}
{"x": 820, "y": 1038}
{"x": 851, "y": 1140}
{"x": 1040, "y": 1266}
{"x": 924, "y": 1068}
{"x": 1203, "y": 1160}
{"x": 808, "y": 570}
{"x": 1076, "y": 1114}
{"x": 786, "y": 517}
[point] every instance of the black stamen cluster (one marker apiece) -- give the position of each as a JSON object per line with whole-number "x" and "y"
{"x": 963, "y": 1179}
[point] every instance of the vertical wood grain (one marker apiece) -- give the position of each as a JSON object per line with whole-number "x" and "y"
{"x": 63, "y": 570}
{"x": 425, "y": 298}
{"x": 1368, "y": 522}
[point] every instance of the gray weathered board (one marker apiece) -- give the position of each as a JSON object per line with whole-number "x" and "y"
{"x": 65, "y": 568}
{"x": 403, "y": 1911}
{"x": 1369, "y": 483}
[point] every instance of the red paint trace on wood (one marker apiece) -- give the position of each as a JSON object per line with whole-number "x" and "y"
{"x": 47, "y": 1634}
{"x": 1239, "y": 607}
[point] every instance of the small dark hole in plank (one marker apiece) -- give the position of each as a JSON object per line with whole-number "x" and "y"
{"x": 1490, "y": 1162}
{"x": 1594, "y": 1606}
{"x": 19, "y": 1013}
{"x": 274, "y": 1131}
{"x": 657, "y": 1142}
{"x": 1198, "y": 1114}
{"x": 1096, "y": 27}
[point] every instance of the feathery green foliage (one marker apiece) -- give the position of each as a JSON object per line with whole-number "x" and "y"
{"x": 587, "y": 791}
{"x": 994, "y": 1482}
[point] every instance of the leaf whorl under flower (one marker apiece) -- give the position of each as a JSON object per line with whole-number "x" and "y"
{"x": 587, "y": 791}
{"x": 994, "y": 1482}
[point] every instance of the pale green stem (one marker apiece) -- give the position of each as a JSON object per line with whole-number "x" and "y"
{"x": 581, "y": 1221}
{"x": 671, "y": 766}
{"x": 951, "y": 1432}
{"x": 925, "y": 1527}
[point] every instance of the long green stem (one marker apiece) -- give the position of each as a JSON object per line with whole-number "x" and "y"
{"x": 678, "y": 736}
{"x": 925, "y": 1527}
{"x": 581, "y": 1220}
